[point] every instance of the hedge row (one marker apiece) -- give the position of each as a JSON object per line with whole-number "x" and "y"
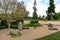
{"x": 14, "y": 24}
{"x": 3, "y": 24}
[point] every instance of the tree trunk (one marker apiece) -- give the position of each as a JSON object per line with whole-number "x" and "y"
{"x": 9, "y": 25}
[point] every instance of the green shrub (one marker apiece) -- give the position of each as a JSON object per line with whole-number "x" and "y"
{"x": 32, "y": 25}
{"x": 2, "y": 27}
{"x": 34, "y": 21}
{"x": 36, "y": 24}
{"x": 14, "y": 26}
{"x": 4, "y": 22}
{"x": 27, "y": 25}
{"x": 20, "y": 20}
{"x": 16, "y": 22}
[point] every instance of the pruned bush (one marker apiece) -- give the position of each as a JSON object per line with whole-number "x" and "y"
{"x": 3, "y": 24}
{"x": 16, "y": 22}
{"x": 34, "y": 21}
{"x": 32, "y": 25}
{"x": 36, "y": 24}
{"x": 14, "y": 26}
{"x": 20, "y": 20}
{"x": 2, "y": 27}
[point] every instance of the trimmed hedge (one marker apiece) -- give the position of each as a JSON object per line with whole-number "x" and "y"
{"x": 32, "y": 25}
{"x": 3, "y": 27}
{"x": 19, "y": 21}
{"x": 14, "y": 26}
{"x": 3, "y": 24}
{"x": 34, "y": 21}
{"x": 16, "y": 22}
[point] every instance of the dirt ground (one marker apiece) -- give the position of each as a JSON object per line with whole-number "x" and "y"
{"x": 29, "y": 34}
{"x": 44, "y": 22}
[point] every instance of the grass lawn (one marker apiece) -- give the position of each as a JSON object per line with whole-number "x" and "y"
{"x": 55, "y": 36}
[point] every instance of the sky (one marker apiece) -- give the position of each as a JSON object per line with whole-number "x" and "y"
{"x": 42, "y": 6}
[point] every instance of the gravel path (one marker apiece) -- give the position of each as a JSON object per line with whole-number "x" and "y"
{"x": 28, "y": 34}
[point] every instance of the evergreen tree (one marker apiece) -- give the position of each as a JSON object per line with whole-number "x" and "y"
{"x": 51, "y": 10}
{"x": 35, "y": 16}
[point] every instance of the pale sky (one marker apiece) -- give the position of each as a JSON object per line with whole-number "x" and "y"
{"x": 42, "y": 6}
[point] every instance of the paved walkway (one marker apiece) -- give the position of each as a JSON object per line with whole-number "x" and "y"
{"x": 28, "y": 34}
